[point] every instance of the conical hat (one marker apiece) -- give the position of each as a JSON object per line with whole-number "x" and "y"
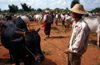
{"x": 78, "y": 8}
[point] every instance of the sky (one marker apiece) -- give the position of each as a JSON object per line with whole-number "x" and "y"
{"x": 52, "y": 4}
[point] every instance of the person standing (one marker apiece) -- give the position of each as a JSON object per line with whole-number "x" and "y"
{"x": 90, "y": 14}
{"x": 48, "y": 20}
{"x": 80, "y": 36}
{"x": 63, "y": 19}
{"x": 99, "y": 13}
{"x": 56, "y": 18}
{"x": 51, "y": 13}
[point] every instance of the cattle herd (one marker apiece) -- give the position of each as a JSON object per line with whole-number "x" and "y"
{"x": 25, "y": 44}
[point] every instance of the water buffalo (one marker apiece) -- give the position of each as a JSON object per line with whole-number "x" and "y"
{"x": 21, "y": 43}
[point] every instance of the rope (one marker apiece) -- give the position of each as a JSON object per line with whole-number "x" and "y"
{"x": 53, "y": 45}
{"x": 30, "y": 52}
{"x": 57, "y": 48}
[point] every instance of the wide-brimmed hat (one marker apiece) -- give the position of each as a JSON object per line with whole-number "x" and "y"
{"x": 78, "y": 8}
{"x": 47, "y": 11}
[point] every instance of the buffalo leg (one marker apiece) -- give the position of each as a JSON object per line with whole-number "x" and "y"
{"x": 16, "y": 60}
{"x": 98, "y": 39}
{"x": 27, "y": 61}
{"x": 11, "y": 58}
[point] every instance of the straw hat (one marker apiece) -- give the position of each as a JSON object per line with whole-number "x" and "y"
{"x": 47, "y": 11}
{"x": 78, "y": 8}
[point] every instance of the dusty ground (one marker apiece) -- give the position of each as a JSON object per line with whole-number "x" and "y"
{"x": 54, "y": 47}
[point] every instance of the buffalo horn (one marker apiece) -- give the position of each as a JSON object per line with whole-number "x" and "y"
{"x": 17, "y": 40}
{"x": 37, "y": 29}
{"x": 21, "y": 33}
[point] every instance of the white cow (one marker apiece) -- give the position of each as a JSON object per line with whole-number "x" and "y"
{"x": 94, "y": 25}
{"x": 24, "y": 17}
{"x": 68, "y": 20}
{"x": 38, "y": 18}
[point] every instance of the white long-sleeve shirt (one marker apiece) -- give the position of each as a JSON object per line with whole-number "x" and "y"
{"x": 56, "y": 16}
{"x": 62, "y": 16}
{"x": 79, "y": 37}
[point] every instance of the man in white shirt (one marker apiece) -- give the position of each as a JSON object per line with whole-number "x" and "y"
{"x": 80, "y": 36}
{"x": 48, "y": 19}
{"x": 56, "y": 18}
{"x": 63, "y": 19}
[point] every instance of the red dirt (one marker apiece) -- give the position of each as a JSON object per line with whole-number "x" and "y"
{"x": 57, "y": 43}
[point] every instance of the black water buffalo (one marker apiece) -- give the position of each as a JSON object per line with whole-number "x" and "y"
{"x": 23, "y": 44}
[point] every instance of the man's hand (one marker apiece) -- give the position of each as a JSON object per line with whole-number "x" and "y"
{"x": 67, "y": 51}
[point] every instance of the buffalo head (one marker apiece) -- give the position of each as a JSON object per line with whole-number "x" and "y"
{"x": 31, "y": 44}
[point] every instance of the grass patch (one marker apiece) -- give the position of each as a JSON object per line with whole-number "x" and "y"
{"x": 90, "y": 37}
{"x": 58, "y": 31}
{"x": 94, "y": 58}
{"x": 93, "y": 42}
{"x": 45, "y": 52}
{"x": 94, "y": 35}
{"x": 66, "y": 30}
{"x": 98, "y": 63}
{"x": 59, "y": 25}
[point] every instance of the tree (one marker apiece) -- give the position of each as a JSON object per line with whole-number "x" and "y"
{"x": 58, "y": 10}
{"x": 47, "y": 9}
{"x": 39, "y": 10}
{"x": 96, "y": 9}
{"x": 13, "y": 8}
{"x": 74, "y": 2}
{"x": 25, "y": 7}
{"x": 66, "y": 10}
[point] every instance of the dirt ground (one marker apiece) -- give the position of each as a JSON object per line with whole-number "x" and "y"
{"x": 54, "y": 47}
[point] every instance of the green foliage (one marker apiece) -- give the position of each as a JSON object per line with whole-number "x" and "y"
{"x": 20, "y": 10}
{"x": 25, "y": 7}
{"x": 96, "y": 10}
{"x": 57, "y": 10}
{"x": 13, "y": 8}
{"x": 66, "y": 10}
{"x": 74, "y": 2}
{"x": 39, "y": 10}
{"x": 47, "y": 9}
{"x": 46, "y": 52}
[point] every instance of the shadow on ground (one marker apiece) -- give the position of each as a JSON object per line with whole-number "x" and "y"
{"x": 60, "y": 37}
{"x": 45, "y": 62}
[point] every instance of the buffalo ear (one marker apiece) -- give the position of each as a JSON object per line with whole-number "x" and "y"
{"x": 37, "y": 29}
{"x": 20, "y": 33}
